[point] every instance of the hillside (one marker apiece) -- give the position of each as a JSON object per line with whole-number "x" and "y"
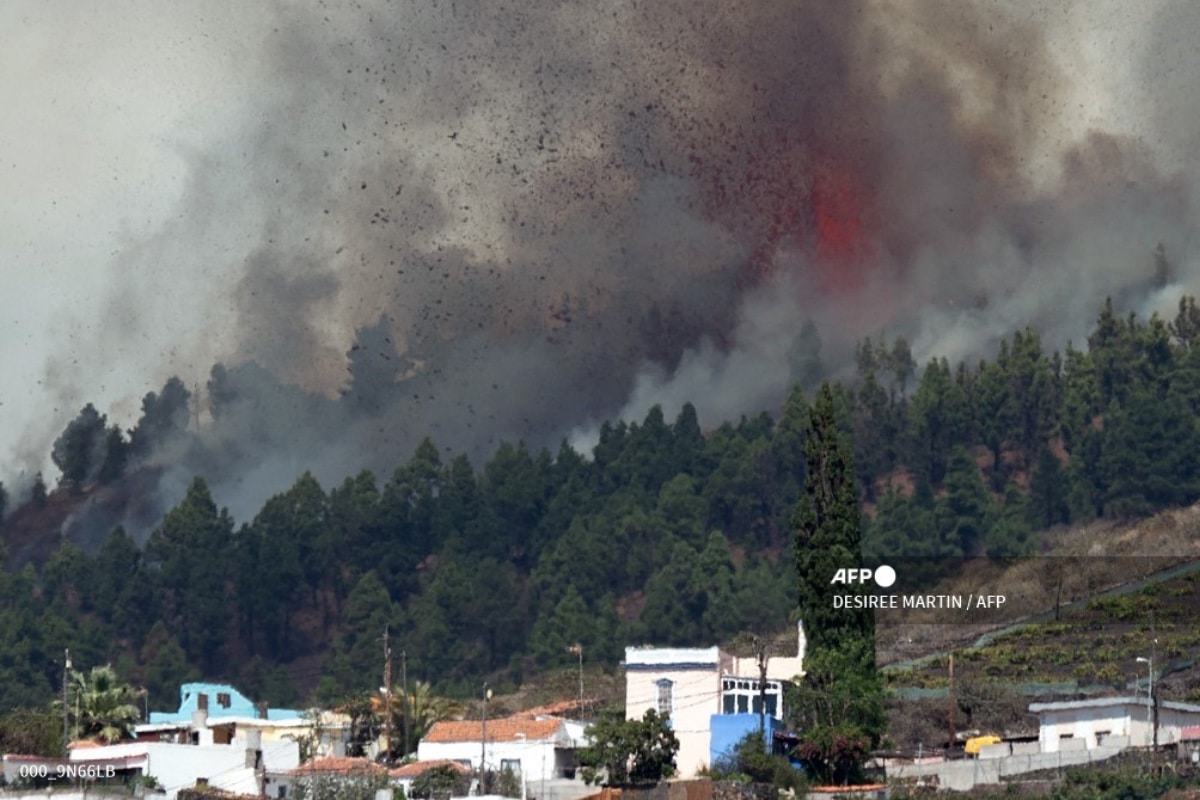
{"x": 1128, "y": 592}
{"x": 1078, "y": 564}
{"x": 84, "y": 517}
{"x": 664, "y": 533}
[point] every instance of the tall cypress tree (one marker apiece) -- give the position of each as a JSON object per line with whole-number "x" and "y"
{"x": 839, "y": 704}
{"x": 828, "y": 531}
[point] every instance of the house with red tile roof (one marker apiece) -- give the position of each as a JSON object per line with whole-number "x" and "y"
{"x": 338, "y": 765}
{"x": 404, "y": 776}
{"x": 533, "y": 749}
{"x": 279, "y": 784}
{"x": 416, "y": 769}
{"x": 573, "y": 709}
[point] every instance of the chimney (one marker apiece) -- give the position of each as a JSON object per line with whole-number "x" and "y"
{"x": 802, "y": 640}
{"x": 201, "y": 733}
{"x": 253, "y": 748}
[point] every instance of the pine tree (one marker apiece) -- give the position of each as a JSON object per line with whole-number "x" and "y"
{"x": 967, "y": 502}
{"x": 1049, "y": 491}
{"x": 356, "y": 652}
{"x": 940, "y": 417}
{"x": 191, "y": 550}
{"x": 1010, "y": 534}
{"x": 79, "y": 450}
{"x": 672, "y": 612}
{"x": 559, "y": 628}
{"x": 164, "y": 415}
{"x": 116, "y": 454}
{"x": 878, "y": 426}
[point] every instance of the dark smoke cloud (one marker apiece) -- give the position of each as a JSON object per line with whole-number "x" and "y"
{"x": 536, "y": 215}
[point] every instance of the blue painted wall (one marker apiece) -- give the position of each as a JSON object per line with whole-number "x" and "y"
{"x": 239, "y": 704}
{"x": 729, "y": 729}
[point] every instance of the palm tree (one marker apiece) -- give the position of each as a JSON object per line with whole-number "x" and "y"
{"x": 424, "y": 709}
{"x": 101, "y": 706}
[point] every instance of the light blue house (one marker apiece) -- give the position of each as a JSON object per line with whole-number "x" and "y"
{"x": 218, "y": 700}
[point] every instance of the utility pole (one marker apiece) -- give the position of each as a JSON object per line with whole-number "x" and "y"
{"x": 761, "y": 648}
{"x": 1154, "y": 703}
{"x": 387, "y": 697}
{"x": 66, "y": 682}
{"x": 1153, "y": 696}
{"x": 404, "y": 688}
{"x": 483, "y": 740}
{"x": 950, "y": 745}
{"x": 577, "y": 648}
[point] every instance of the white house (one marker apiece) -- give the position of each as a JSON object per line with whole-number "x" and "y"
{"x": 1129, "y": 721}
{"x": 215, "y": 713}
{"x": 691, "y": 685}
{"x": 535, "y": 749}
{"x": 235, "y": 767}
{"x": 205, "y": 730}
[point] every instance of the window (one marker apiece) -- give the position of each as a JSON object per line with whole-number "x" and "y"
{"x": 665, "y": 692}
{"x": 741, "y": 696}
{"x": 223, "y": 700}
{"x": 511, "y": 765}
{"x": 282, "y": 795}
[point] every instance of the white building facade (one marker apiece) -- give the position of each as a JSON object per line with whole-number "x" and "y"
{"x": 236, "y": 767}
{"x": 1120, "y": 721}
{"x": 690, "y": 685}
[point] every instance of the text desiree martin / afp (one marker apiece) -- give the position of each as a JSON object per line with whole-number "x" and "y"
{"x": 897, "y": 601}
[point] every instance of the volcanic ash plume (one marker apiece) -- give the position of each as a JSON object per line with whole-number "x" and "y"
{"x": 520, "y": 219}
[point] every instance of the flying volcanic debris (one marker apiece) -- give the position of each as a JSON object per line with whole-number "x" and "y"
{"x": 479, "y": 222}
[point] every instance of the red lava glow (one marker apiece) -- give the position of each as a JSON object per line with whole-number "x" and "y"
{"x": 828, "y": 221}
{"x": 841, "y": 246}
{"x": 776, "y": 196}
